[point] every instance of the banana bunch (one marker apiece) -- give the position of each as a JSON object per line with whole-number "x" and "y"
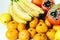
{"x": 14, "y": 16}
{"x": 23, "y": 10}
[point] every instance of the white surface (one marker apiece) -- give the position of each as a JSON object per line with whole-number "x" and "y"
{"x": 4, "y": 8}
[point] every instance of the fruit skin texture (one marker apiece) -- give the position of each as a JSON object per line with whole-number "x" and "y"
{"x": 54, "y": 19}
{"x": 37, "y": 2}
{"x": 56, "y": 27}
{"x": 47, "y": 23}
{"x": 5, "y": 18}
{"x": 33, "y": 22}
{"x": 12, "y": 25}
{"x": 14, "y": 16}
{"x": 30, "y": 8}
{"x": 40, "y": 36}
{"x": 21, "y": 26}
{"x": 34, "y": 7}
{"x": 57, "y": 35}
{"x": 24, "y": 35}
{"x": 11, "y": 39}
{"x": 27, "y": 8}
{"x": 12, "y": 34}
{"x": 32, "y": 31}
{"x": 51, "y": 34}
{"x": 18, "y": 11}
{"x": 46, "y": 8}
{"x": 41, "y": 27}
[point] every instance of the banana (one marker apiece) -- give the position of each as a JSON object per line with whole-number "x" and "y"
{"x": 23, "y": 9}
{"x": 29, "y": 10}
{"x": 15, "y": 17}
{"x": 23, "y": 15}
{"x": 33, "y": 6}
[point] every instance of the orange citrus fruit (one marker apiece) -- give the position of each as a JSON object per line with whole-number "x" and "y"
{"x": 12, "y": 34}
{"x": 12, "y": 25}
{"x": 34, "y": 22}
{"x": 24, "y": 35}
{"x": 21, "y": 26}
{"x": 40, "y": 36}
{"x": 51, "y": 34}
{"x": 32, "y": 31}
{"x": 56, "y": 27}
{"x": 41, "y": 27}
{"x": 47, "y": 23}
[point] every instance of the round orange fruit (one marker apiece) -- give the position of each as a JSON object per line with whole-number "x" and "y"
{"x": 21, "y": 26}
{"x": 56, "y": 27}
{"x": 48, "y": 23}
{"x": 41, "y": 27}
{"x": 32, "y": 31}
{"x": 12, "y": 25}
{"x": 34, "y": 22}
{"x": 12, "y": 34}
{"x": 40, "y": 36}
{"x": 51, "y": 34}
{"x": 24, "y": 35}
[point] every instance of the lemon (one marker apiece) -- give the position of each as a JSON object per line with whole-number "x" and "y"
{"x": 4, "y": 18}
{"x": 57, "y": 35}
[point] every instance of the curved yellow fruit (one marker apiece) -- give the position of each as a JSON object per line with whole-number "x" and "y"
{"x": 15, "y": 17}
{"x": 29, "y": 10}
{"x": 33, "y": 6}
{"x": 20, "y": 13}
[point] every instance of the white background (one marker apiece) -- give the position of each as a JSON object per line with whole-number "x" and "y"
{"x": 4, "y": 4}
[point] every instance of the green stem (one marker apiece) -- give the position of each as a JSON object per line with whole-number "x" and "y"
{"x": 16, "y": 0}
{"x": 12, "y": 2}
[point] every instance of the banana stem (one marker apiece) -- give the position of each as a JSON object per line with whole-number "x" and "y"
{"x": 12, "y": 2}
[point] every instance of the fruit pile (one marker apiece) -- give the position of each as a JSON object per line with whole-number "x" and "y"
{"x": 37, "y": 20}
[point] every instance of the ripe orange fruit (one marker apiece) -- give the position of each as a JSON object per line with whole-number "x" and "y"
{"x": 47, "y": 23}
{"x": 12, "y": 25}
{"x": 56, "y": 27}
{"x": 34, "y": 22}
{"x": 24, "y": 35}
{"x": 32, "y": 31}
{"x": 41, "y": 20}
{"x": 12, "y": 34}
{"x": 11, "y": 39}
{"x": 40, "y": 36}
{"x": 21, "y": 26}
{"x": 51, "y": 34}
{"x": 41, "y": 27}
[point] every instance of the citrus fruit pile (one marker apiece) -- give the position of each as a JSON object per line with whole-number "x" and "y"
{"x": 37, "y": 29}
{"x": 35, "y": 20}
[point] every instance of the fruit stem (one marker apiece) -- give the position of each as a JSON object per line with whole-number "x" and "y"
{"x": 12, "y": 2}
{"x": 16, "y": 0}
